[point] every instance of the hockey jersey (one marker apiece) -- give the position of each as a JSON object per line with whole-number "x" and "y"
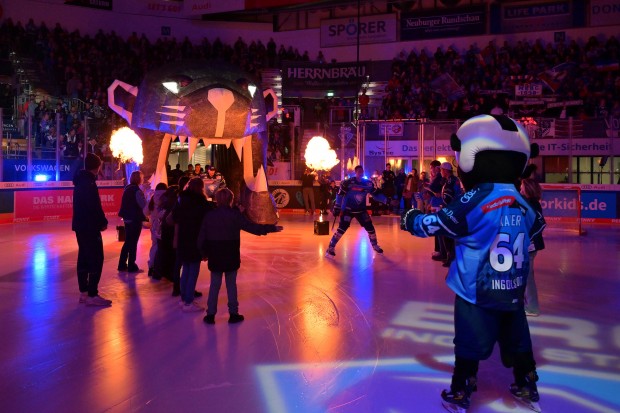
{"x": 212, "y": 184}
{"x": 492, "y": 225}
{"x": 352, "y": 194}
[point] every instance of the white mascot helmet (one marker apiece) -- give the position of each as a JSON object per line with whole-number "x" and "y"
{"x": 488, "y": 132}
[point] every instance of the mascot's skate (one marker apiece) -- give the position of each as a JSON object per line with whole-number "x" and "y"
{"x": 527, "y": 394}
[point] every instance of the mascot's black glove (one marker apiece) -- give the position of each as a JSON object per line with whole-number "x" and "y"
{"x": 336, "y": 211}
{"x": 407, "y": 218}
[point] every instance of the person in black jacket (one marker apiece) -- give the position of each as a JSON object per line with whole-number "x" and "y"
{"x": 388, "y": 186}
{"x": 165, "y": 256}
{"x": 132, "y": 206}
{"x": 219, "y": 243}
{"x": 88, "y": 222}
{"x": 307, "y": 187}
{"x": 187, "y": 214}
{"x": 450, "y": 191}
{"x": 433, "y": 191}
{"x": 178, "y": 264}
{"x": 532, "y": 192}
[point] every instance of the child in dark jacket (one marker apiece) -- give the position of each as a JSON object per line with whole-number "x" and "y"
{"x": 219, "y": 242}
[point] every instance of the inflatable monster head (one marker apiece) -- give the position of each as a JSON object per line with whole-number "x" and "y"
{"x": 216, "y": 103}
{"x": 491, "y": 148}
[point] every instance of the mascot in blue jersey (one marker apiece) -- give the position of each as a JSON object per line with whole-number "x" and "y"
{"x": 493, "y": 226}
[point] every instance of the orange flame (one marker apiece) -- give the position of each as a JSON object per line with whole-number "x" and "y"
{"x": 319, "y": 155}
{"x": 126, "y": 145}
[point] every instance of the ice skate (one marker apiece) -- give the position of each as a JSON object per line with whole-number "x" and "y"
{"x": 377, "y": 248}
{"x": 458, "y": 401}
{"x": 528, "y": 394}
{"x": 455, "y": 402}
{"x": 331, "y": 252}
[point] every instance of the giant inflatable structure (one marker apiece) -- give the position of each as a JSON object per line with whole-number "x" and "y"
{"x": 213, "y": 103}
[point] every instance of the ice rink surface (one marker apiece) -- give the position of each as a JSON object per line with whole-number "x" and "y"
{"x": 360, "y": 332}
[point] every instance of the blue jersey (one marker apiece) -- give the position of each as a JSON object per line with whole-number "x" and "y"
{"x": 492, "y": 225}
{"x": 352, "y": 194}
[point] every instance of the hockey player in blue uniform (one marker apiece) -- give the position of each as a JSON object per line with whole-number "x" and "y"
{"x": 492, "y": 225}
{"x": 351, "y": 203}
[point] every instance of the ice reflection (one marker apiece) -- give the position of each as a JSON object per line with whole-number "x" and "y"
{"x": 110, "y": 338}
{"x": 401, "y": 384}
{"x": 314, "y": 340}
{"x": 317, "y": 322}
{"x": 363, "y": 277}
{"x": 39, "y": 267}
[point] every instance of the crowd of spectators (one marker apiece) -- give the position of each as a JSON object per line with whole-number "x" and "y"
{"x": 46, "y": 118}
{"x": 82, "y": 68}
{"x": 447, "y": 84}
{"x": 441, "y": 85}
{"x": 280, "y": 136}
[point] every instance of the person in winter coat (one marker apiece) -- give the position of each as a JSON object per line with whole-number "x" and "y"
{"x": 187, "y": 214}
{"x": 165, "y": 256}
{"x": 151, "y": 213}
{"x": 450, "y": 191}
{"x": 399, "y": 184}
{"x": 219, "y": 243}
{"x": 411, "y": 189}
{"x": 178, "y": 264}
{"x": 307, "y": 185}
{"x": 532, "y": 192}
{"x": 88, "y": 222}
{"x": 132, "y": 212}
{"x": 388, "y": 179}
